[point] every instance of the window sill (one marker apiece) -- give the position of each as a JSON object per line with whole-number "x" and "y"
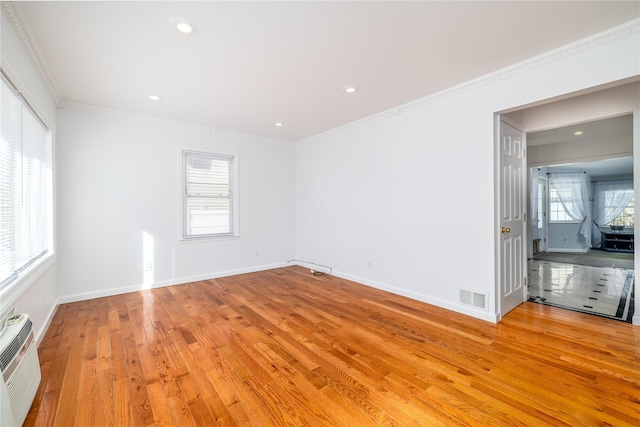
{"x": 564, "y": 222}
{"x": 209, "y": 239}
{"x": 26, "y": 278}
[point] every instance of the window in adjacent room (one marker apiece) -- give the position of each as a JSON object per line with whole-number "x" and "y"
{"x": 25, "y": 186}
{"x": 614, "y": 203}
{"x": 626, "y": 216}
{"x": 568, "y": 201}
{"x": 208, "y": 202}
{"x": 557, "y": 212}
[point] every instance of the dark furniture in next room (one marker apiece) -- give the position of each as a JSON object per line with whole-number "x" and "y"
{"x": 617, "y": 242}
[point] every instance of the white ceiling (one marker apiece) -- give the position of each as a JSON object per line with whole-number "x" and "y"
{"x": 254, "y": 63}
{"x": 598, "y": 131}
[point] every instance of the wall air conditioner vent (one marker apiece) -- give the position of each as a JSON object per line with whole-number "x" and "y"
{"x": 473, "y": 299}
{"x": 20, "y": 368}
{"x": 15, "y": 345}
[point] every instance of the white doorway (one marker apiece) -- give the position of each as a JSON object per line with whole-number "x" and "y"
{"x": 592, "y": 105}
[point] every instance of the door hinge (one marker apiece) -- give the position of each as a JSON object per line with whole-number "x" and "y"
{"x": 525, "y": 217}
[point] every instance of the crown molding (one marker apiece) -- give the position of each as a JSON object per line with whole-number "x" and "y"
{"x": 589, "y": 43}
{"x": 173, "y": 124}
{"x": 11, "y": 11}
{"x": 556, "y": 55}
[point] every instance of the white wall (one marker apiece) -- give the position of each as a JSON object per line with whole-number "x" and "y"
{"x": 36, "y": 292}
{"x": 415, "y": 192}
{"x": 118, "y": 177}
{"x": 566, "y": 238}
{"x": 603, "y": 103}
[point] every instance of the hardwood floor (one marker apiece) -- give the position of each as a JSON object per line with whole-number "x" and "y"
{"x": 284, "y": 347}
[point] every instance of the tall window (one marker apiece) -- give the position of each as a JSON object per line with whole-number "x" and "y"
{"x": 25, "y": 186}
{"x": 569, "y": 201}
{"x": 208, "y": 194}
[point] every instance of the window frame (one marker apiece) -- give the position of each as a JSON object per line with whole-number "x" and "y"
{"x": 233, "y": 232}
{"x": 551, "y": 212}
{"x": 632, "y": 216}
{"x": 27, "y": 274}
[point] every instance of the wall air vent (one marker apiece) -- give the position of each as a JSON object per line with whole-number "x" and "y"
{"x": 20, "y": 369}
{"x": 473, "y": 299}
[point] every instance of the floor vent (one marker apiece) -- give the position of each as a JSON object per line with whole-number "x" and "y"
{"x": 473, "y": 299}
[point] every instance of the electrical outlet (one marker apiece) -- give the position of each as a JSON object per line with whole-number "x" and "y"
{"x": 370, "y": 264}
{"x": 256, "y": 253}
{"x": 147, "y": 266}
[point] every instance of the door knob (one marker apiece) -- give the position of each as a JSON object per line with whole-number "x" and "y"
{"x": 505, "y": 230}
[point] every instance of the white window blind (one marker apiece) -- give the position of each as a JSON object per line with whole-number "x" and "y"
{"x": 208, "y": 195}
{"x": 25, "y": 186}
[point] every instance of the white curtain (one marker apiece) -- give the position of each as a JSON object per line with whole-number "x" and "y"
{"x": 573, "y": 195}
{"x": 611, "y": 197}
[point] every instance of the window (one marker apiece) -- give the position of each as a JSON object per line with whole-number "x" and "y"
{"x": 613, "y": 203}
{"x": 208, "y": 204}
{"x": 541, "y": 189}
{"x": 25, "y": 186}
{"x": 626, "y": 216}
{"x": 568, "y": 200}
{"x": 557, "y": 212}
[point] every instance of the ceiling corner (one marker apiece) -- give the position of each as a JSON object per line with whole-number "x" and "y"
{"x": 12, "y": 12}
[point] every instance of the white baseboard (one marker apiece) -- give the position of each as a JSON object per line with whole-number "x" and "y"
{"x": 478, "y": 314}
{"x": 164, "y": 283}
{"x": 45, "y": 325}
{"x": 568, "y": 251}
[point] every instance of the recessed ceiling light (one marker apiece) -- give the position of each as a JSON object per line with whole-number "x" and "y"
{"x": 350, "y": 88}
{"x": 154, "y": 97}
{"x": 578, "y": 132}
{"x": 184, "y": 25}
{"x": 278, "y": 124}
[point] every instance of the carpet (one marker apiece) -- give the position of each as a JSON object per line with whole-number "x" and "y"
{"x": 595, "y": 258}
{"x": 603, "y": 291}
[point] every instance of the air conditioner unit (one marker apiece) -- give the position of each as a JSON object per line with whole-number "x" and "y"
{"x": 20, "y": 367}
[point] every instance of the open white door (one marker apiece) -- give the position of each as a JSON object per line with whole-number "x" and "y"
{"x": 512, "y": 256}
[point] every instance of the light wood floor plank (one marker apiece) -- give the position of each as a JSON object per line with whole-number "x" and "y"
{"x": 284, "y": 347}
